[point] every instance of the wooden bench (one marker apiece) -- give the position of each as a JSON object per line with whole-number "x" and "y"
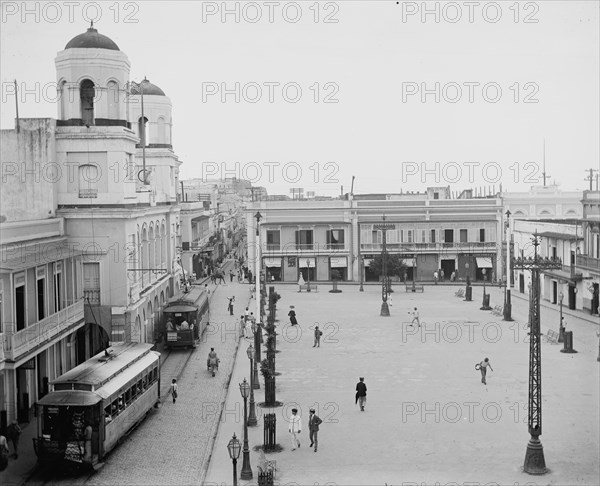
{"x": 415, "y": 288}
{"x": 552, "y": 336}
{"x": 313, "y": 287}
{"x": 460, "y": 293}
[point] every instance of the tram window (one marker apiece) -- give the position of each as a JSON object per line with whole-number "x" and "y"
{"x": 127, "y": 397}
{"x": 139, "y": 386}
{"x": 133, "y": 391}
{"x": 145, "y": 381}
{"x": 121, "y": 402}
{"x": 114, "y": 408}
{"x": 107, "y": 414}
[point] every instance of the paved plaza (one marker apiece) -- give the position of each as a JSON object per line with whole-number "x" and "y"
{"x": 428, "y": 417}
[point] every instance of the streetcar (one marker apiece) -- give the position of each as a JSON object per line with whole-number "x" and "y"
{"x": 93, "y": 406}
{"x": 185, "y": 318}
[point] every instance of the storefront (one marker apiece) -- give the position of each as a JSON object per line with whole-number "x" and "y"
{"x": 338, "y": 264}
{"x": 273, "y": 269}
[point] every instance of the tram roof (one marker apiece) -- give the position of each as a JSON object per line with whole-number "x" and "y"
{"x": 174, "y": 307}
{"x": 73, "y": 398}
{"x": 193, "y": 296}
{"x": 100, "y": 369}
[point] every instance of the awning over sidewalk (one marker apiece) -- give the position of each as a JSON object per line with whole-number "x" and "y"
{"x": 484, "y": 262}
{"x": 272, "y": 262}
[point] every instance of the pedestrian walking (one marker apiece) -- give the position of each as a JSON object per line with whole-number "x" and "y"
{"x": 415, "y": 314}
{"x": 231, "y": 274}
{"x": 206, "y": 289}
{"x": 3, "y": 453}
{"x": 247, "y": 313}
{"x": 313, "y": 428}
{"x": 318, "y": 334}
{"x": 301, "y": 283}
{"x": 242, "y": 326}
{"x": 249, "y": 328}
{"x": 442, "y": 274}
{"x": 453, "y": 276}
{"x": 483, "y": 368}
{"x": 361, "y": 394}
{"x": 13, "y": 432}
{"x": 173, "y": 389}
{"x": 435, "y": 277}
{"x": 230, "y": 305}
{"x": 294, "y": 428}
{"x": 292, "y": 316}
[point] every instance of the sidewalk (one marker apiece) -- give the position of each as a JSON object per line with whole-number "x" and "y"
{"x": 18, "y": 471}
{"x": 428, "y": 417}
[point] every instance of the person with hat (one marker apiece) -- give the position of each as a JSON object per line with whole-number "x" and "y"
{"x": 361, "y": 394}
{"x": 313, "y": 427}
{"x": 295, "y": 427}
{"x": 318, "y": 334}
{"x": 292, "y": 316}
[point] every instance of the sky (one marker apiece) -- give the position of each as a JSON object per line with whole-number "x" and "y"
{"x": 400, "y": 95}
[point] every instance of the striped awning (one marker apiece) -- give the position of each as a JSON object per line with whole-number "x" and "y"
{"x": 272, "y": 262}
{"x": 484, "y": 262}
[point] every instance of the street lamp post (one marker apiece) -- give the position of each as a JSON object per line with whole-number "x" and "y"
{"x": 252, "y": 416}
{"x": 468, "y": 291}
{"x": 385, "y": 310}
{"x": 257, "y": 330}
{"x": 534, "y": 457}
{"x": 307, "y": 275}
{"x": 561, "y": 328}
{"x": 362, "y": 273}
{"x": 246, "y": 469}
{"x": 485, "y": 305}
{"x": 257, "y": 266}
{"x": 234, "y": 448}
{"x": 507, "y": 301}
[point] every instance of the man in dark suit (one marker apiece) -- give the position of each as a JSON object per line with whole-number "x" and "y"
{"x": 361, "y": 393}
{"x": 313, "y": 426}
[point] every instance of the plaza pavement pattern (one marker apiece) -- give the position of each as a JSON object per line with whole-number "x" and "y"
{"x": 428, "y": 418}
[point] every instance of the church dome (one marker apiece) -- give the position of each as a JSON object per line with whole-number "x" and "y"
{"x": 92, "y": 40}
{"x": 149, "y": 89}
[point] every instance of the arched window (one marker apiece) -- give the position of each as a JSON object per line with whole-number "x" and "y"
{"x": 113, "y": 100}
{"x": 162, "y": 134}
{"x": 86, "y": 94}
{"x": 143, "y": 131}
{"x": 88, "y": 181}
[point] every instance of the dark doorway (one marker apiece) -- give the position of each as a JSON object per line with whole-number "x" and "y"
{"x": 448, "y": 266}
{"x": 554, "y": 291}
{"x": 521, "y": 283}
{"x": 595, "y": 298}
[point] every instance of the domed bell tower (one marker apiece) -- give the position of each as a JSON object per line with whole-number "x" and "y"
{"x": 92, "y": 75}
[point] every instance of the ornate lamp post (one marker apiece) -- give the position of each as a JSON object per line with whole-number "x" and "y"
{"x": 252, "y": 416}
{"x": 246, "y": 469}
{"x": 308, "y": 275}
{"x": 485, "y": 305}
{"x": 257, "y": 266}
{"x": 234, "y": 447}
{"x": 385, "y": 310}
{"x": 257, "y": 330}
{"x": 468, "y": 290}
{"x": 507, "y": 302}
{"x": 561, "y": 328}
{"x": 362, "y": 273}
{"x": 534, "y": 456}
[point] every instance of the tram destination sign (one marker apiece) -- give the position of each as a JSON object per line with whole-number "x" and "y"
{"x": 386, "y": 226}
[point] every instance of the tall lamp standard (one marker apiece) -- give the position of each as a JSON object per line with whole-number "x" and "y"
{"x": 507, "y": 302}
{"x": 246, "y": 469}
{"x": 308, "y": 275}
{"x": 385, "y": 310}
{"x": 534, "y": 457}
{"x": 234, "y": 447}
{"x": 252, "y": 416}
{"x": 468, "y": 290}
{"x": 485, "y": 305}
{"x": 561, "y": 329}
{"x": 257, "y": 332}
{"x": 257, "y": 265}
{"x": 362, "y": 273}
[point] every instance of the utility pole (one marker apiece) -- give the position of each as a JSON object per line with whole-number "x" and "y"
{"x": 591, "y": 178}
{"x": 544, "y": 175}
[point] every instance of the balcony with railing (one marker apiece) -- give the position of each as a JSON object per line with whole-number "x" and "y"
{"x": 472, "y": 247}
{"x": 59, "y": 324}
{"x": 305, "y": 246}
{"x": 587, "y": 263}
{"x": 273, "y": 247}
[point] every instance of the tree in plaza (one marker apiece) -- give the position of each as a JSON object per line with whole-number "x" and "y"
{"x": 395, "y": 265}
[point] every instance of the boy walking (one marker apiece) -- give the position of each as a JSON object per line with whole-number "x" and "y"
{"x": 415, "y": 314}
{"x": 13, "y": 432}
{"x": 173, "y": 389}
{"x": 313, "y": 427}
{"x": 294, "y": 428}
{"x": 318, "y": 335}
{"x": 483, "y": 368}
{"x": 361, "y": 394}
